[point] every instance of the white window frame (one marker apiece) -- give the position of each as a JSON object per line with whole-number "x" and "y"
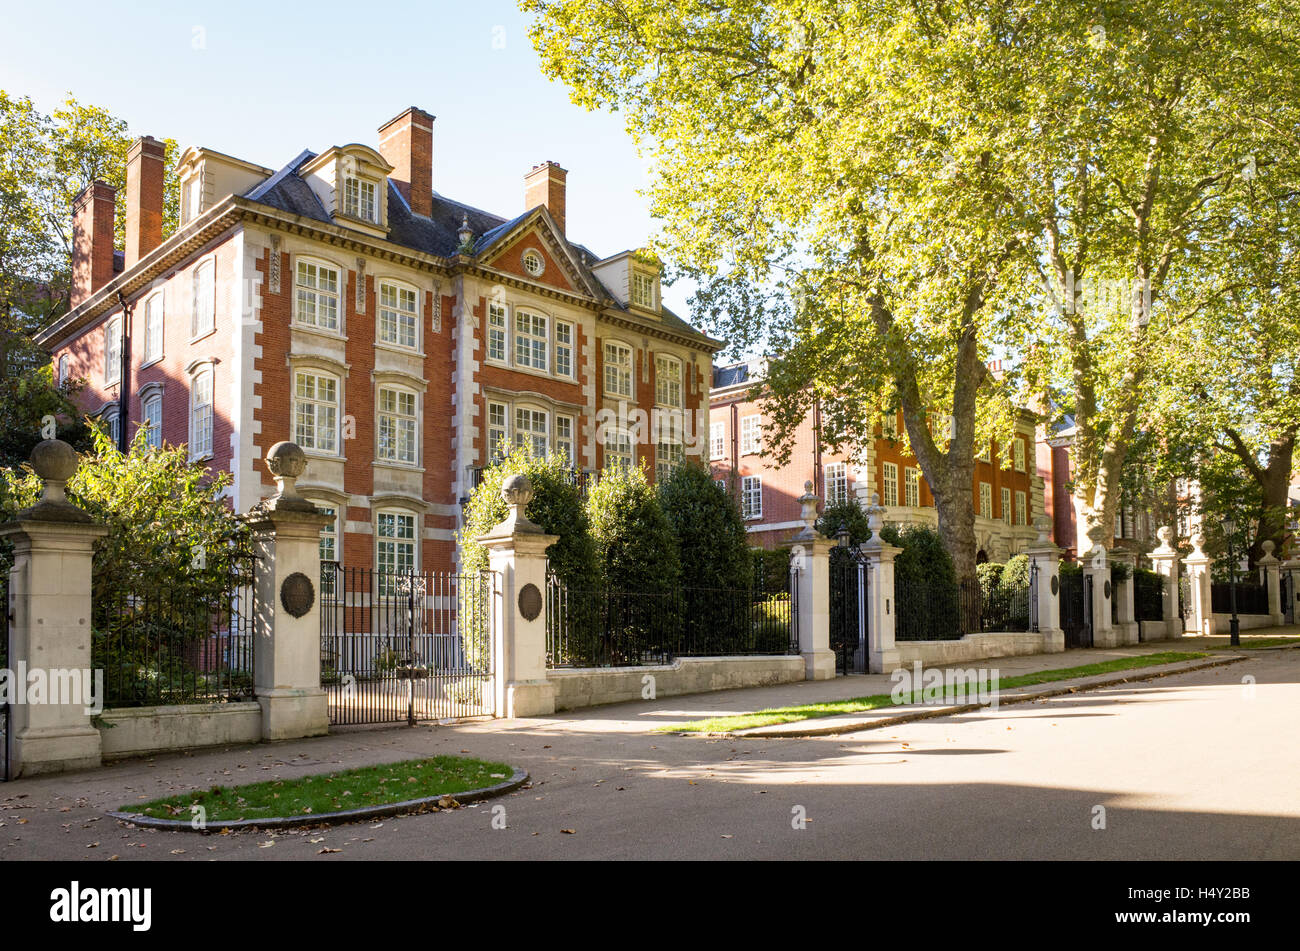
{"x": 1006, "y": 505}
{"x": 397, "y": 432}
{"x": 532, "y": 341}
{"x": 1022, "y": 509}
{"x": 63, "y": 369}
{"x": 986, "y": 500}
{"x": 641, "y": 290}
{"x": 203, "y": 317}
{"x": 564, "y": 349}
{"x": 751, "y": 434}
{"x": 566, "y": 428}
{"x": 330, "y": 542}
{"x": 153, "y": 328}
{"x": 498, "y": 332}
{"x": 836, "y": 478}
{"x": 1018, "y": 454}
{"x": 152, "y": 426}
{"x": 112, "y": 420}
{"x": 889, "y": 426}
{"x": 621, "y": 368}
{"x": 322, "y": 410}
{"x": 668, "y": 446}
{"x": 668, "y": 391}
{"x": 532, "y": 254}
{"x": 889, "y": 483}
{"x": 717, "y": 440}
{"x": 113, "y": 351}
{"x": 751, "y": 497}
{"x": 394, "y": 313}
{"x": 498, "y": 429}
{"x": 390, "y": 546}
{"x": 533, "y": 430}
{"x": 359, "y": 192}
{"x": 201, "y": 413}
{"x": 912, "y": 487}
{"x": 619, "y": 449}
{"x": 309, "y": 288}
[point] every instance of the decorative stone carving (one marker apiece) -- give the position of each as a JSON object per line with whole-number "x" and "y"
{"x": 273, "y": 271}
{"x": 55, "y": 462}
{"x": 297, "y": 594}
{"x": 530, "y": 602}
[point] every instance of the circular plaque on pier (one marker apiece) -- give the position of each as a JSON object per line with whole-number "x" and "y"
{"x": 530, "y": 602}
{"x": 297, "y": 594}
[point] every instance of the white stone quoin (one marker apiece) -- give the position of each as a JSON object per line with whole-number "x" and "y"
{"x": 286, "y": 653}
{"x": 882, "y": 652}
{"x": 810, "y": 561}
{"x": 1045, "y": 567}
{"x": 517, "y": 556}
{"x": 50, "y": 607}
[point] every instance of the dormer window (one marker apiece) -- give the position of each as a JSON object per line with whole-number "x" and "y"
{"x": 361, "y": 199}
{"x": 643, "y": 290}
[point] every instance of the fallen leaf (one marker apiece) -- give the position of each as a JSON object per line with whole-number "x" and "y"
{"x": 569, "y": 831}
{"x": 328, "y": 851}
{"x": 178, "y": 851}
{"x": 266, "y": 845}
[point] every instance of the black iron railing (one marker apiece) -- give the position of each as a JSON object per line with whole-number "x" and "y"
{"x": 935, "y": 609}
{"x": 1148, "y": 596}
{"x": 600, "y": 627}
{"x": 1251, "y": 598}
{"x": 174, "y": 646}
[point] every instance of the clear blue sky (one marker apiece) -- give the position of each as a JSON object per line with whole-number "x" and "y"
{"x": 262, "y": 81}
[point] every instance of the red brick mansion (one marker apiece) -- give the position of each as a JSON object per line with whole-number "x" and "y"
{"x": 397, "y": 335}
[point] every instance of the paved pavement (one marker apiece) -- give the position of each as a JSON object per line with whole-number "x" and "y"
{"x": 1197, "y": 765}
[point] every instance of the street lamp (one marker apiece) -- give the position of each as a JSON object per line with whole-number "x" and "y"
{"x": 1229, "y": 528}
{"x": 842, "y": 535}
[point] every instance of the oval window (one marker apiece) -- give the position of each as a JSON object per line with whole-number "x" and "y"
{"x": 533, "y": 262}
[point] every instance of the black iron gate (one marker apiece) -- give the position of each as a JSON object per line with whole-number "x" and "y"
{"x": 403, "y": 646}
{"x": 1076, "y": 608}
{"x": 848, "y": 609}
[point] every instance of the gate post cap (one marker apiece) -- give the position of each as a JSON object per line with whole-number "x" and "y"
{"x": 517, "y": 489}
{"x": 55, "y": 462}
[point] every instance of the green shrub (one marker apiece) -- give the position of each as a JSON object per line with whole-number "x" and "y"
{"x": 771, "y": 567}
{"x": 925, "y": 585}
{"x": 635, "y": 545}
{"x": 712, "y": 544}
{"x": 850, "y": 515}
{"x": 557, "y": 507}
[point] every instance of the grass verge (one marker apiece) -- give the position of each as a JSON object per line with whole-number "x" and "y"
{"x": 332, "y": 792}
{"x": 1257, "y": 643}
{"x": 811, "y": 711}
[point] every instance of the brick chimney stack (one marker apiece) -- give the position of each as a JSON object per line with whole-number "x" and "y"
{"x": 92, "y": 240}
{"x": 406, "y": 143}
{"x": 545, "y": 185}
{"x": 144, "y": 197}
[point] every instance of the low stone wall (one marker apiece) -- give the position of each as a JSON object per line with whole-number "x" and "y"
{"x": 1223, "y": 622}
{"x": 593, "y": 686}
{"x": 1156, "y": 631}
{"x": 971, "y": 647}
{"x": 134, "y": 731}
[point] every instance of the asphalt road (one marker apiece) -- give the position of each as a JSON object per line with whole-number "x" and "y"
{"x": 1197, "y": 766}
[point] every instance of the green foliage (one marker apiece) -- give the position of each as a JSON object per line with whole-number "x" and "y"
{"x": 557, "y": 507}
{"x": 712, "y": 544}
{"x": 771, "y": 567}
{"x": 26, "y": 399}
{"x": 848, "y": 514}
{"x": 635, "y": 543}
{"x": 923, "y": 557}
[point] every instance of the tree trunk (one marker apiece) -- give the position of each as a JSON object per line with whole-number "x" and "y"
{"x": 1274, "y": 482}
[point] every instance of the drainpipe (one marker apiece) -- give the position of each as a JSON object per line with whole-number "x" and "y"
{"x": 124, "y": 389}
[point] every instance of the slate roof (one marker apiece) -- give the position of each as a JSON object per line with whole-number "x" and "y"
{"x": 730, "y": 376}
{"x": 438, "y": 234}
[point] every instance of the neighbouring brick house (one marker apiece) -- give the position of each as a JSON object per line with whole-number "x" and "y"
{"x": 1008, "y": 491}
{"x": 396, "y": 335}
